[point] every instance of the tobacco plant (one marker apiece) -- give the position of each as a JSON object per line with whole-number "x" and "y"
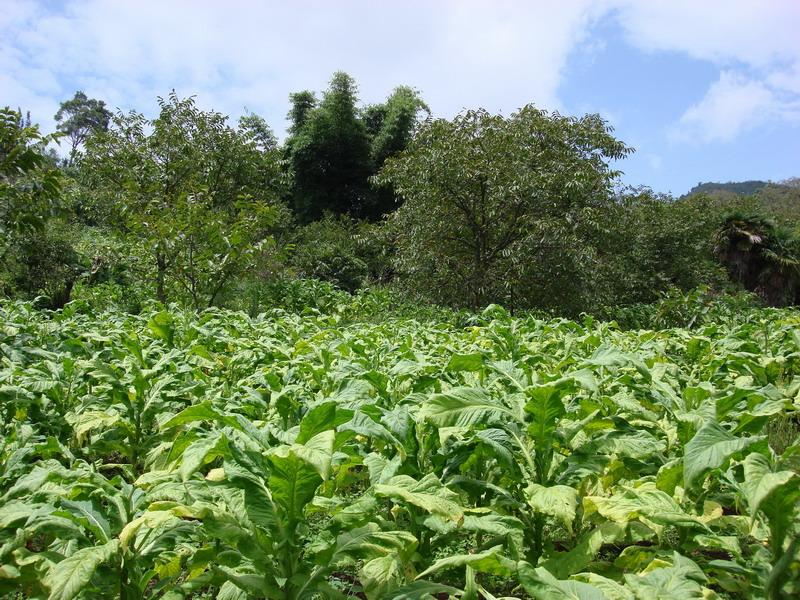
{"x": 303, "y": 456}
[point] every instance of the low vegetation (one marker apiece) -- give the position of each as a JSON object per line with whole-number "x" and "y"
{"x": 176, "y": 455}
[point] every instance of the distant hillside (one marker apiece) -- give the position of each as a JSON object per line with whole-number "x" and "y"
{"x": 740, "y": 188}
{"x": 780, "y": 201}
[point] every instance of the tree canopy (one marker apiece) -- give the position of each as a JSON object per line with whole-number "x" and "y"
{"x": 335, "y": 146}
{"x": 81, "y": 116}
{"x": 526, "y": 210}
{"x": 30, "y": 185}
{"x": 497, "y": 207}
{"x": 201, "y": 194}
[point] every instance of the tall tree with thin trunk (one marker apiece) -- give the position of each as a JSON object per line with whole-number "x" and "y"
{"x": 80, "y": 117}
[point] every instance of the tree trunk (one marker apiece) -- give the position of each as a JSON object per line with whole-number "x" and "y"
{"x": 161, "y": 273}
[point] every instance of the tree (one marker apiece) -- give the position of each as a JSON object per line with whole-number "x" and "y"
{"x": 329, "y": 153}
{"x": 391, "y": 126}
{"x": 36, "y": 250}
{"x": 255, "y": 127}
{"x": 80, "y": 117}
{"x": 657, "y": 244}
{"x": 201, "y": 195}
{"x": 504, "y": 208}
{"x": 30, "y": 185}
{"x": 334, "y": 148}
{"x": 761, "y": 257}
{"x": 302, "y": 104}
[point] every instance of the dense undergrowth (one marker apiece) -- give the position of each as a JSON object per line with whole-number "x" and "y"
{"x": 349, "y": 450}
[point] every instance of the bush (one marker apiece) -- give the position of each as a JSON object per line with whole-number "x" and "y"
{"x": 44, "y": 265}
{"x": 116, "y": 272}
{"x": 677, "y": 308}
{"x": 257, "y": 295}
{"x": 345, "y": 252}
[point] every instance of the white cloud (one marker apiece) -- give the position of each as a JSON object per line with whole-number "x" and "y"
{"x": 732, "y": 104}
{"x": 753, "y": 32}
{"x": 234, "y": 54}
{"x": 498, "y": 54}
{"x": 755, "y": 42}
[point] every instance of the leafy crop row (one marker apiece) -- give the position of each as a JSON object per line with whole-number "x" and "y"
{"x": 171, "y": 455}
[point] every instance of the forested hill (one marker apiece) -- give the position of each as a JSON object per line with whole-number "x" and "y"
{"x": 779, "y": 200}
{"x": 741, "y": 188}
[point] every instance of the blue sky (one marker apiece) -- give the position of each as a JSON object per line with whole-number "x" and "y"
{"x": 704, "y": 90}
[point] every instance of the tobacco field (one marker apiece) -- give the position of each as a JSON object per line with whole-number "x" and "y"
{"x": 287, "y": 456}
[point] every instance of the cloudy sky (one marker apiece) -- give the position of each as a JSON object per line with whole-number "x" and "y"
{"x": 704, "y": 90}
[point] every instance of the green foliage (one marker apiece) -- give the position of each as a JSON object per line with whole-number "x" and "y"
{"x": 741, "y": 188}
{"x": 201, "y": 196}
{"x": 255, "y": 127}
{"x": 761, "y": 257}
{"x": 173, "y": 455}
{"x": 503, "y": 209}
{"x": 80, "y": 117}
{"x": 334, "y": 148}
{"x": 328, "y": 250}
{"x": 329, "y": 154}
{"x": 45, "y": 265}
{"x": 256, "y": 295}
{"x": 30, "y": 186}
{"x": 343, "y": 251}
{"x": 391, "y": 127}
{"x": 694, "y": 309}
{"x": 778, "y": 200}
{"x": 37, "y": 257}
{"x": 657, "y": 244}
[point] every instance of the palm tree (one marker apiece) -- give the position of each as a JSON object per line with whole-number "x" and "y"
{"x": 761, "y": 257}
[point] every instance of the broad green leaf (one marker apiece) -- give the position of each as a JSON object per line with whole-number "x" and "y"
{"x": 229, "y": 591}
{"x": 501, "y": 443}
{"x": 564, "y": 564}
{"x": 365, "y": 425}
{"x": 427, "y": 494}
{"x": 760, "y": 481}
{"x": 72, "y": 575}
{"x": 465, "y": 407}
{"x": 293, "y": 483}
{"x": 149, "y": 519}
{"x": 492, "y": 561}
{"x": 610, "y": 588}
{"x": 709, "y": 449}
{"x": 162, "y": 325}
{"x": 559, "y": 501}
{"x": 316, "y": 452}
{"x": 639, "y": 444}
{"x": 503, "y": 526}
{"x": 682, "y": 579}
{"x": 421, "y": 590}
{"x": 465, "y": 362}
{"x": 95, "y": 520}
{"x": 506, "y": 370}
{"x": 776, "y": 494}
{"x": 200, "y": 452}
{"x": 368, "y": 542}
{"x": 544, "y": 408}
{"x": 191, "y": 414}
{"x": 381, "y": 575}
{"x": 541, "y": 585}
{"x": 380, "y": 468}
{"x": 86, "y": 422}
{"x": 631, "y": 503}
{"x": 318, "y": 419}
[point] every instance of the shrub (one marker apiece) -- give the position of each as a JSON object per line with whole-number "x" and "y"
{"x": 342, "y": 251}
